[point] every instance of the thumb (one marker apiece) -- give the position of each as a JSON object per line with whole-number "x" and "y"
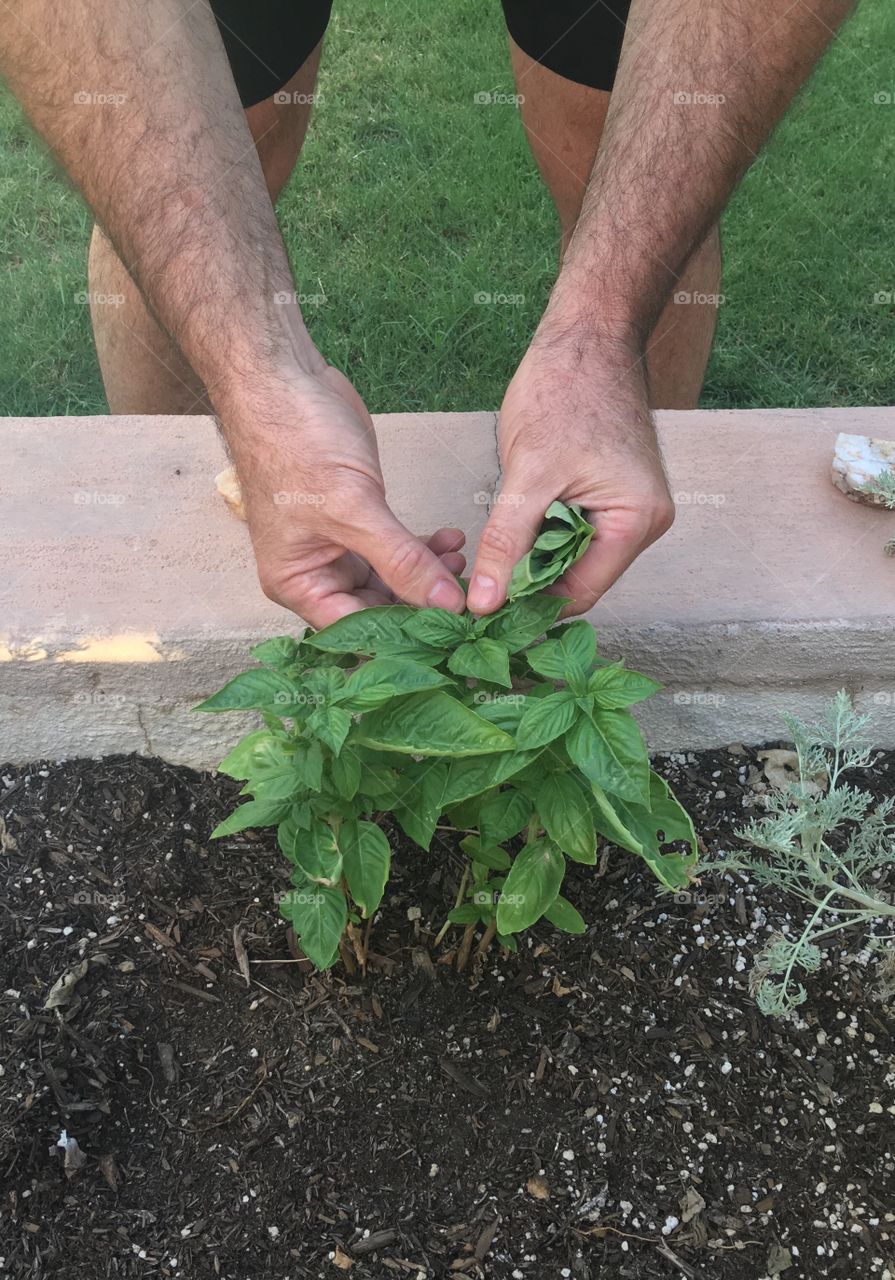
{"x": 511, "y": 529}
{"x": 405, "y": 564}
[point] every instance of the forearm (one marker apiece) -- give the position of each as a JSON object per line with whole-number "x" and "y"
{"x": 700, "y": 86}
{"x": 138, "y": 105}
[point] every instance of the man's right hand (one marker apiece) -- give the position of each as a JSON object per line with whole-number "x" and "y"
{"x": 325, "y": 541}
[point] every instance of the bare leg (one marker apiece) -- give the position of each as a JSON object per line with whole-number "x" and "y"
{"x": 143, "y": 371}
{"x": 564, "y": 123}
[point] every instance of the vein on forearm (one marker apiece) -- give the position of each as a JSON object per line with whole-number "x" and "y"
{"x": 667, "y": 166}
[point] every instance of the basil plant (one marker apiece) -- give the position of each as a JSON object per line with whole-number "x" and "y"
{"x": 508, "y": 729}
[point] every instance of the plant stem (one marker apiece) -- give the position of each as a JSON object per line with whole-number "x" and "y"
{"x": 465, "y": 947}
{"x": 821, "y": 906}
{"x": 486, "y": 939}
{"x": 460, "y": 892}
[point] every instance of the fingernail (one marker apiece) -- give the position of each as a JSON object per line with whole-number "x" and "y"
{"x": 483, "y": 591}
{"x": 444, "y": 595}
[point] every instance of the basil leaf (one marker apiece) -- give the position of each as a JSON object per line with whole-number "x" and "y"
{"x": 382, "y": 679}
{"x": 644, "y": 831}
{"x": 308, "y": 763}
{"x": 318, "y": 916}
{"x": 520, "y": 622}
{"x": 278, "y": 652}
{"x": 545, "y": 719}
{"x": 287, "y": 831}
{"x": 578, "y": 641}
{"x": 258, "y": 690}
{"x": 569, "y": 656}
{"x": 551, "y": 556}
{"x": 433, "y": 724}
{"x": 437, "y": 627}
{"x": 483, "y": 659}
{"x": 345, "y": 770}
{"x": 380, "y": 782}
{"x": 562, "y": 915}
{"x": 274, "y": 785}
{"x": 247, "y": 755}
{"x": 504, "y": 816}
{"x": 553, "y": 540}
{"x": 489, "y": 856}
{"x": 255, "y": 813}
{"x": 503, "y": 709}
{"x": 330, "y": 725}
{"x": 363, "y": 631}
{"x": 610, "y": 752}
{"x": 614, "y": 687}
{"x": 366, "y": 858}
{"x": 565, "y": 810}
{"x": 548, "y": 659}
{"x": 467, "y": 913}
{"x": 479, "y": 773}
{"x": 532, "y": 884}
{"x": 317, "y": 854}
{"x": 422, "y": 804}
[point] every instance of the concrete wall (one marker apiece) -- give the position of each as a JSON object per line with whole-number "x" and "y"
{"x": 129, "y": 591}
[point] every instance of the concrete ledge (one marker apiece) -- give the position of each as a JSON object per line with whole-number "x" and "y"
{"x": 129, "y": 589}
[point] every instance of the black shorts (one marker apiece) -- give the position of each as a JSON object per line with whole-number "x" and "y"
{"x": 268, "y": 40}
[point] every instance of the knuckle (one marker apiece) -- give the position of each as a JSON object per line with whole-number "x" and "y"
{"x": 269, "y": 586}
{"x": 663, "y": 515}
{"x": 406, "y": 562}
{"x": 496, "y": 541}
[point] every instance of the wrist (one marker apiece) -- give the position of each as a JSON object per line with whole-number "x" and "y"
{"x": 586, "y": 306}
{"x": 272, "y": 351}
{"x": 590, "y": 330}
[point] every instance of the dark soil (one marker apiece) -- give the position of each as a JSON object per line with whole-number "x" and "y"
{"x": 612, "y": 1105}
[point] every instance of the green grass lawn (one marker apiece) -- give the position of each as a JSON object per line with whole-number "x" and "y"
{"x": 410, "y": 199}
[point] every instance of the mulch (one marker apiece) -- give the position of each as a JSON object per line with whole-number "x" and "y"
{"x": 610, "y": 1105}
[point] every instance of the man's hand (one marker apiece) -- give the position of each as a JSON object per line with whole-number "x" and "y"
{"x": 575, "y": 425}
{"x": 575, "y": 422}
{"x": 325, "y": 540}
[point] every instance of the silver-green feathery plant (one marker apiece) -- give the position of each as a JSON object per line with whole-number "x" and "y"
{"x": 827, "y": 843}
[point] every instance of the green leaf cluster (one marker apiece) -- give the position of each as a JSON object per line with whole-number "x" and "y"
{"x": 564, "y": 537}
{"x": 505, "y": 726}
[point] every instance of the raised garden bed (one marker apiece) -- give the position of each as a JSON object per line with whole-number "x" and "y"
{"x": 611, "y": 1104}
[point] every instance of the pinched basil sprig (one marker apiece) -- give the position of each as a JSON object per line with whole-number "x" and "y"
{"x": 499, "y": 726}
{"x": 564, "y": 537}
